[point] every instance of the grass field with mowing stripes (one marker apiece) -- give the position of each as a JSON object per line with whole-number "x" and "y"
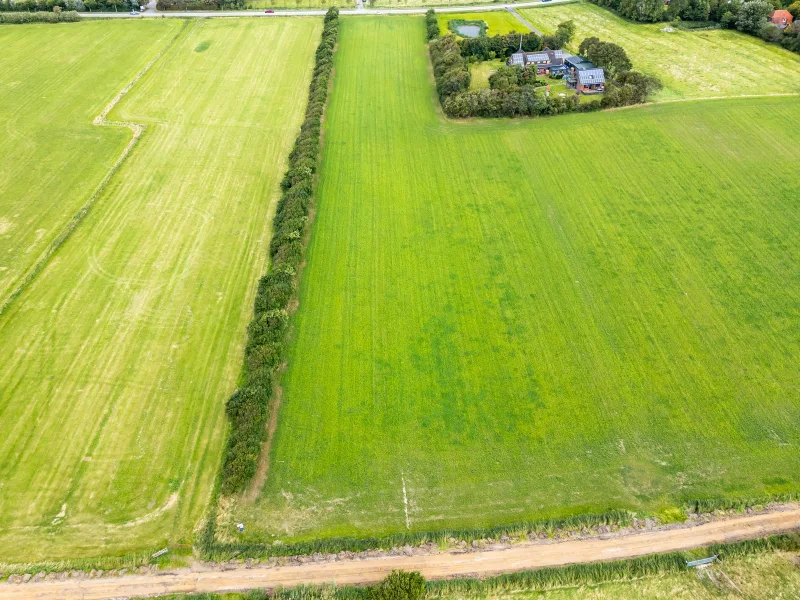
{"x": 690, "y": 64}
{"x": 53, "y": 157}
{"x": 511, "y": 320}
{"x": 118, "y": 358}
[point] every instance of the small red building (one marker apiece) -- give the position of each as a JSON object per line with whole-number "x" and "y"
{"x": 781, "y": 18}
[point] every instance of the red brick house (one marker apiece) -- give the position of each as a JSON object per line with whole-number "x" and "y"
{"x": 781, "y": 18}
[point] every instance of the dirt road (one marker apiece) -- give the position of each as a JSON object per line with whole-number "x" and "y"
{"x": 516, "y": 558}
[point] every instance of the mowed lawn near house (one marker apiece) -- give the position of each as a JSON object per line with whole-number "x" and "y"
{"x": 119, "y": 357}
{"x": 499, "y": 22}
{"x": 690, "y": 64}
{"x": 53, "y": 82}
{"x": 514, "y": 320}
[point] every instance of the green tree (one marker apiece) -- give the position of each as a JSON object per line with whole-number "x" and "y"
{"x": 587, "y": 43}
{"x": 752, "y": 16}
{"x": 612, "y": 58}
{"x": 794, "y": 8}
{"x": 400, "y": 585}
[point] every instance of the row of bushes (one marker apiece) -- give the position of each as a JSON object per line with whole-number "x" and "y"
{"x": 431, "y": 24}
{"x": 748, "y": 16}
{"x": 615, "y": 518}
{"x": 182, "y": 5}
{"x": 247, "y": 408}
{"x": 69, "y": 5}
{"x": 19, "y": 18}
{"x": 498, "y": 46}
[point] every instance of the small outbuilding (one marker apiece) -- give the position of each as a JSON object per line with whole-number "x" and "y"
{"x": 781, "y": 18}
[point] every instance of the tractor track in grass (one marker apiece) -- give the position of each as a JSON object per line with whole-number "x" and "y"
{"x": 101, "y": 121}
{"x": 433, "y": 566}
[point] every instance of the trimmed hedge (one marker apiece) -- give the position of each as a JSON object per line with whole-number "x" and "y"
{"x": 248, "y": 407}
{"x": 20, "y": 18}
{"x": 431, "y": 24}
{"x": 224, "y": 551}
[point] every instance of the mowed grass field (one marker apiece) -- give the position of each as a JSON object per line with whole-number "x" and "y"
{"x": 118, "y": 359}
{"x": 512, "y": 320}
{"x": 498, "y": 22}
{"x": 53, "y": 157}
{"x": 690, "y": 64}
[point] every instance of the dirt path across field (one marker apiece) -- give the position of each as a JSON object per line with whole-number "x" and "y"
{"x": 488, "y": 562}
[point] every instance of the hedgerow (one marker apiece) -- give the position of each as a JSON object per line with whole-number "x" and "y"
{"x": 615, "y": 518}
{"x": 20, "y": 18}
{"x": 431, "y": 24}
{"x": 248, "y": 407}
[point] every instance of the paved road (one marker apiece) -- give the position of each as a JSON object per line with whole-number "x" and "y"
{"x": 525, "y": 22}
{"x": 515, "y": 558}
{"x": 314, "y": 13}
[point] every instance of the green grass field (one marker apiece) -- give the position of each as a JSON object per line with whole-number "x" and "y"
{"x": 119, "y": 357}
{"x": 53, "y": 157}
{"x": 690, "y": 64}
{"x": 511, "y": 320}
{"x": 498, "y": 22}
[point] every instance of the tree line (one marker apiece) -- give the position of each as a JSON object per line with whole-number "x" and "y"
{"x": 62, "y": 6}
{"x": 747, "y": 16}
{"x": 248, "y": 407}
{"x": 20, "y": 18}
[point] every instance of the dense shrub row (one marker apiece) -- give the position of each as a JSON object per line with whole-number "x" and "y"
{"x": 497, "y": 46}
{"x": 18, "y": 18}
{"x": 431, "y": 24}
{"x": 615, "y": 518}
{"x": 748, "y": 16}
{"x": 68, "y": 5}
{"x": 181, "y": 5}
{"x": 247, "y": 408}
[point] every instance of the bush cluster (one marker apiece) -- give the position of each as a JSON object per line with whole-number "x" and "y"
{"x": 247, "y": 408}
{"x": 498, "y": 46}
{"x": 19, "y": 18}
{"x": 431, "y": 24}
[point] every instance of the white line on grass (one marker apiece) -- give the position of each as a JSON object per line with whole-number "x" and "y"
{"x": 405, "y": 500}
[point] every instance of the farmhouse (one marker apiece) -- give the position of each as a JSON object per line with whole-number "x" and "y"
{"x": 583, "y": 76}
{"x": 781, "y": 18}
{"x": 546, "y": 62}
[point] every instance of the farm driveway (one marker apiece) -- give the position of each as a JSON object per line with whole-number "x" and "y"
{"x": 517, "y": 558}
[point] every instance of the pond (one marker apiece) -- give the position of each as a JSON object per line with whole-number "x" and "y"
{"x": 470, "y": 31}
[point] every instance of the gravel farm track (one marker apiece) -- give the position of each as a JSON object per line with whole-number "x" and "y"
{"x": 433, "y": 566}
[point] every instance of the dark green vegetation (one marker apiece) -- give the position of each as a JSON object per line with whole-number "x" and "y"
{"x": 248, "y": 408}
{"x": 400, "y": 585}
{"x": 587, "y": 312}
{"x": 20, "y": 18}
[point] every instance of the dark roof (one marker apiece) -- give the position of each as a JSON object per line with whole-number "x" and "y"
{"x": 590, "y": 76}
{"x": 580, "y": 63}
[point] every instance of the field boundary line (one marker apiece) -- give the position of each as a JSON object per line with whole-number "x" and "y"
{"x": 100, "y": 121}
{"x": 440, "y": 565}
